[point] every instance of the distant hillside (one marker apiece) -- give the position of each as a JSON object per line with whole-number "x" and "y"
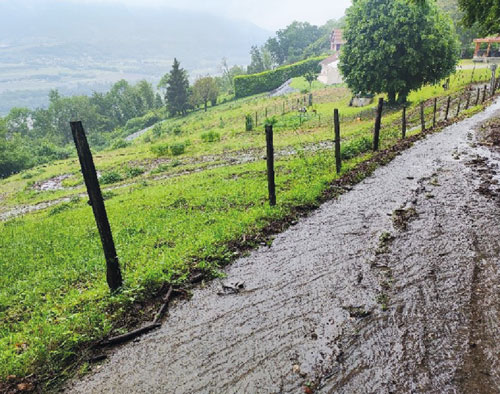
{"x": 78, "y": 47}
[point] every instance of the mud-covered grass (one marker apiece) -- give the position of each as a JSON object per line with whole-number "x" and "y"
{"x": 54, "y": 298}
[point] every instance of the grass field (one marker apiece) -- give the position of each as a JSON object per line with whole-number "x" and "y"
{"x": 170, "y": 213}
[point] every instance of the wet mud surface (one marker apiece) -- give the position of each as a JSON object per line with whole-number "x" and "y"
{"x": 392, "y": 287}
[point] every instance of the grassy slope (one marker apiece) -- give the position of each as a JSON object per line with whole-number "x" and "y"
{"x": 53, "y": 293}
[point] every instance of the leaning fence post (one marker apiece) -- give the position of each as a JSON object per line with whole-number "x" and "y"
{"x": 459, "y": 103}
{"x": 468, "y": 101}
{"x": 478, "y": 95}
{"x": 422, "y": 116}
{"x": 113, "y": 273}
{"x": 484, "y": 94}
{"x": 448, "y": 103}
{"x": 271, "y": 185}
{"x": 403, "y": 126}
{"x": 434, "y": 113}
{"x": 338, "y": 159}
{"x": 378, "y": 122}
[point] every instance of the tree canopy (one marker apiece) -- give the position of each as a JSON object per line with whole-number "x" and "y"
{"x": 395, "y": 47}
{"x": 483, "y": 13}
{"x": 177, "y": 91}
{"x": 205, "y": 90}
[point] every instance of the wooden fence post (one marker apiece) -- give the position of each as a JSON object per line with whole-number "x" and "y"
{"x": 422, "y": 117}
{"x": 271, "y": 185}
{"x": 338, "y": 159}
{"x": 478, "y": 95}
{"x": 378, "y": 122}
{"x": 403, "y": 126}
{"x": 484, "y": 94}
{"x": 256, "y": 119}
{"x": 468, "y": 101}
{"x": 434, "y": 113}
{"x": 493, "y": 82}
{"x": 459, "y": 103}
{"x": 448, "y": 103}
{"x": 113, "y": 272}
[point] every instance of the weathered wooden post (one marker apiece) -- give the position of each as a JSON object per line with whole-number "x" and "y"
{"x": 493, "y": 83}
{"x": 459, "y": 103}
{"x": 403, "y": 126}
{"x": 113, "y": 273}
{"x": 434, "y": 113}
{"x": 422, "y": 117}
{"x": 484, "y": 94}
{"x": 448, "y": 103}
{"x": 478, "y": 95}
{"x": 378, "y": 123}
{"x": 338, "y": 159}
{"x": 271, "y": 185}
{"x": 468, "y": 101}
{"x": 256, "y": 119}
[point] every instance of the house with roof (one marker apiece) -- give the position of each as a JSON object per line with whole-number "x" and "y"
{"x": 330, "y": 73}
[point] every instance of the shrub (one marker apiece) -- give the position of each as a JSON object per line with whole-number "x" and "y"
{"x": 211, "y": 136}
{"x": 176, "y": 130}
{"x": 119, "y": 143}
{"x": 248, "y": 122}
{"x": 141, "y": 123}
{"x": 160, "y": 149}
{"x": 157, "y": 131}
{"x": 178, "y": 148}
{"x": 132, "y": 172}
{"x": 248, "y": 85}
{"x": 110, "y": 177}
{"x": 353, "y": 148}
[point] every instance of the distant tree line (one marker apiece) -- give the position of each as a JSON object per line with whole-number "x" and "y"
{"x": 298, "y": 41}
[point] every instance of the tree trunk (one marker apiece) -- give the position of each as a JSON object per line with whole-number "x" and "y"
{"x": 392, "y": 97}
{"x": 402, "y": 97}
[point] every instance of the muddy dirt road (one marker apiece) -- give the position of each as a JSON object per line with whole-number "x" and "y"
{"x": 392, "y": 288}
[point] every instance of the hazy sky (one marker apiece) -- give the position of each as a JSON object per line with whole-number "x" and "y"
{"x": 269, "y": 14}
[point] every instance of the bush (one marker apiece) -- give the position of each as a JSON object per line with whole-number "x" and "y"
{"x": 178, "y": 148}
{"x": 211, "y": 136}
{"x": 175, "y": 130}
{"x": 110, "y": 177}
{"x": 142, "y": 122}
{"x": 248, "y": 85}
{"x": 119, "y": 143}
{"x": 132, "y": 172}
{"x": 354, "y": 148}
{"x": 248, "y": 122}
{"x": 160, "y": 149}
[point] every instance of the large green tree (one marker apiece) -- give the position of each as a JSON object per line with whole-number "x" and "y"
{"x": 205, "y": 90}
{"x": 394, "y": 47}
{"x": 290, "y": 43}
{"x": 177, "y": 90}
{"x": 483, "y": 13}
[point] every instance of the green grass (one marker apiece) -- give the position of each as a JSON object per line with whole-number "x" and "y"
{"x": 54, "y": 297}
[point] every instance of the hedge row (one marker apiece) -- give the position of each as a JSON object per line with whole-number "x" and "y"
{"x": 248, "y": 85}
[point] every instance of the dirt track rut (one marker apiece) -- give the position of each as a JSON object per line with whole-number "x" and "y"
{"x": 394, "y": 287}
